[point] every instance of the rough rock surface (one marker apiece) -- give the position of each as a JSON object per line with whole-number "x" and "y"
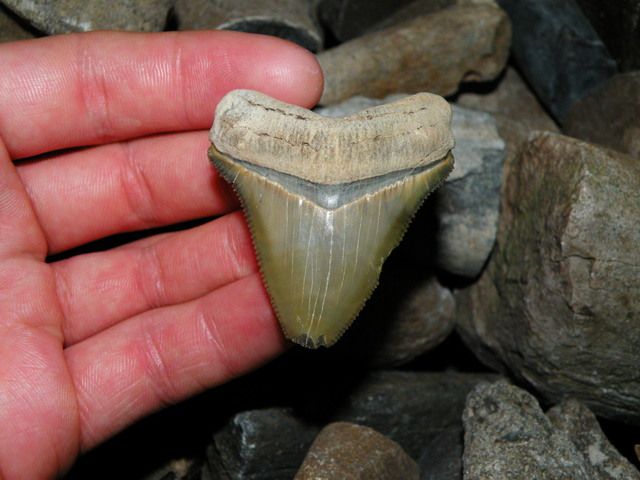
{"x": 260, "y": 444}
{"x": 411, "y": 408}
{"x": 557, "y": 50}
{"x": 64, "y": 16}
{"x": 559, "y": 303}
{"x": 442, "y": 457}
{"x": 618, "y": 24}
{"x": 511, "y": 98}
{"x": 602, "y": 459}
{"x": 609, "y": 115}
{"x": 431, "y": 53}
{"x": 507, "y": 436}
{"x": 355, "y": 452}
{"x": 288, "y": 19}
{"x": 10, "y": 27}
{"x": 466, "y": 206}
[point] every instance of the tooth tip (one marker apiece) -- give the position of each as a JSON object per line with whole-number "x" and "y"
{"x": 309, "y": 342}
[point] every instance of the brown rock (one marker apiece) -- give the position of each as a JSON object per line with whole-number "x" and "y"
{"x": 559, "y": 304}
{"x": 350, "y": 452}
{"x": 601, "y": 458}
{"x": 610, "y": 115}
{"x": 511, "y": 98}
{"x": 289, "y": 19}
{"x": 432, "y": 53}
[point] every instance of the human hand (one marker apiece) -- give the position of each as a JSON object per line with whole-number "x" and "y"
{"x": 93, "y": 342}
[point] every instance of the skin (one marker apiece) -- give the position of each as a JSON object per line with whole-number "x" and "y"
{"x": 93, "y": 342}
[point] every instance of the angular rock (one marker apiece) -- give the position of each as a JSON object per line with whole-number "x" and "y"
{"x": 411, "y": 408}
{"x": 11, "y": 28}
{"x": 350, "y": 451}
{"x": 289, "y": 19}
{"x": 559, "y": 303}
{"x": 609, "y": 115}
{"x": 512, "y": 99}
{"x": 442, "y": 457}
{"x": 507, "y": 436}
{"x": 64, "y": 16}
{"x": 602, "y": 459}
{"x": 466, "y": 206}
{"x": 557, "y": 50}
{"x": 260, "y": 444}
{"x": 347, "y": 19}
{"x": 431, "y": 53}
{"x": 618, "y": 24}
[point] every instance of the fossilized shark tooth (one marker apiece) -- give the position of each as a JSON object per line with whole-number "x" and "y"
{"x": 327, "y": 199}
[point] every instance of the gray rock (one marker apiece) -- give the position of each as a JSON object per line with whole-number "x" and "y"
{"x": 559, "y": 303}
{"x": 289, "y": 19}
{"x": 349, "y": 451}
{"x": 609, "y": 115}
{"x": 11, "y": 28}
{"x": 507, "y": 436}
{"x": 264, "y": 444}
{"x": 510, "y": 98}
{"x": 434, "y": 53}
{"x": 466, "y": 206}
{"x": 602, "y": 459}
{"x": 559, "y": 53}
{"x": 180, "y": 469}
{"x": 348, "y": 19}
{"x": 618, "y": 24}
{"x": 411, "y": 408}
{"x": 442, "y": 457}
{"x": 64, "y": 16}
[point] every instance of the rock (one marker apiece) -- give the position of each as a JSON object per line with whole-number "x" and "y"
{"x": 433, "y": 53}
{"x": 618, "y": 24}
{"x": 64, "y": 16}
{"x": 408, "y": 315}
{"x": 603, "y": 460}
{"x": 559, "y": 53}
{"x": 180, "y": 469}
{"x": 349, "y": 451}
{"x": 442, "y": 457}
{"x": 288, "y": 19}
{"x": 559, "y": 303}
{"x": 411, "y": 408}
{"x": 252, "y": 445}
{"x": 466, "y": 206}
{"x": 609, "y": 115}
{"x": 11, "y": 27}
{"x": 347, "y": 19}
{"x": 414, "y": 9}
{"x": 507, "y": 436}
{"x": 511, "y": 98}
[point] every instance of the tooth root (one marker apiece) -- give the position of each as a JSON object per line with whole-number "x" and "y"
{"x": 321, "y": 265}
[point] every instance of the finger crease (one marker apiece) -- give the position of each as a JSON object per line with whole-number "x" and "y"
{"x": 206, "y": 321}
{"x": 136, "y": 187}
{"x": 160, "y": 378}
{"x": 151, "y": 278}
{"x": 93, "y": 91}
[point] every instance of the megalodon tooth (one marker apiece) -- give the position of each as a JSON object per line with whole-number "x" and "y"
{"x": 328, "y": 199}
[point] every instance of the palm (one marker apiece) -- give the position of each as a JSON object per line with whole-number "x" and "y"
{"x": 93, "y": 342}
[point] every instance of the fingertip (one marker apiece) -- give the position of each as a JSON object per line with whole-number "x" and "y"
{"x": 280, "y": 68}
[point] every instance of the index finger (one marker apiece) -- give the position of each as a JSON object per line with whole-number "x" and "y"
{"x": 92, "y": 88}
